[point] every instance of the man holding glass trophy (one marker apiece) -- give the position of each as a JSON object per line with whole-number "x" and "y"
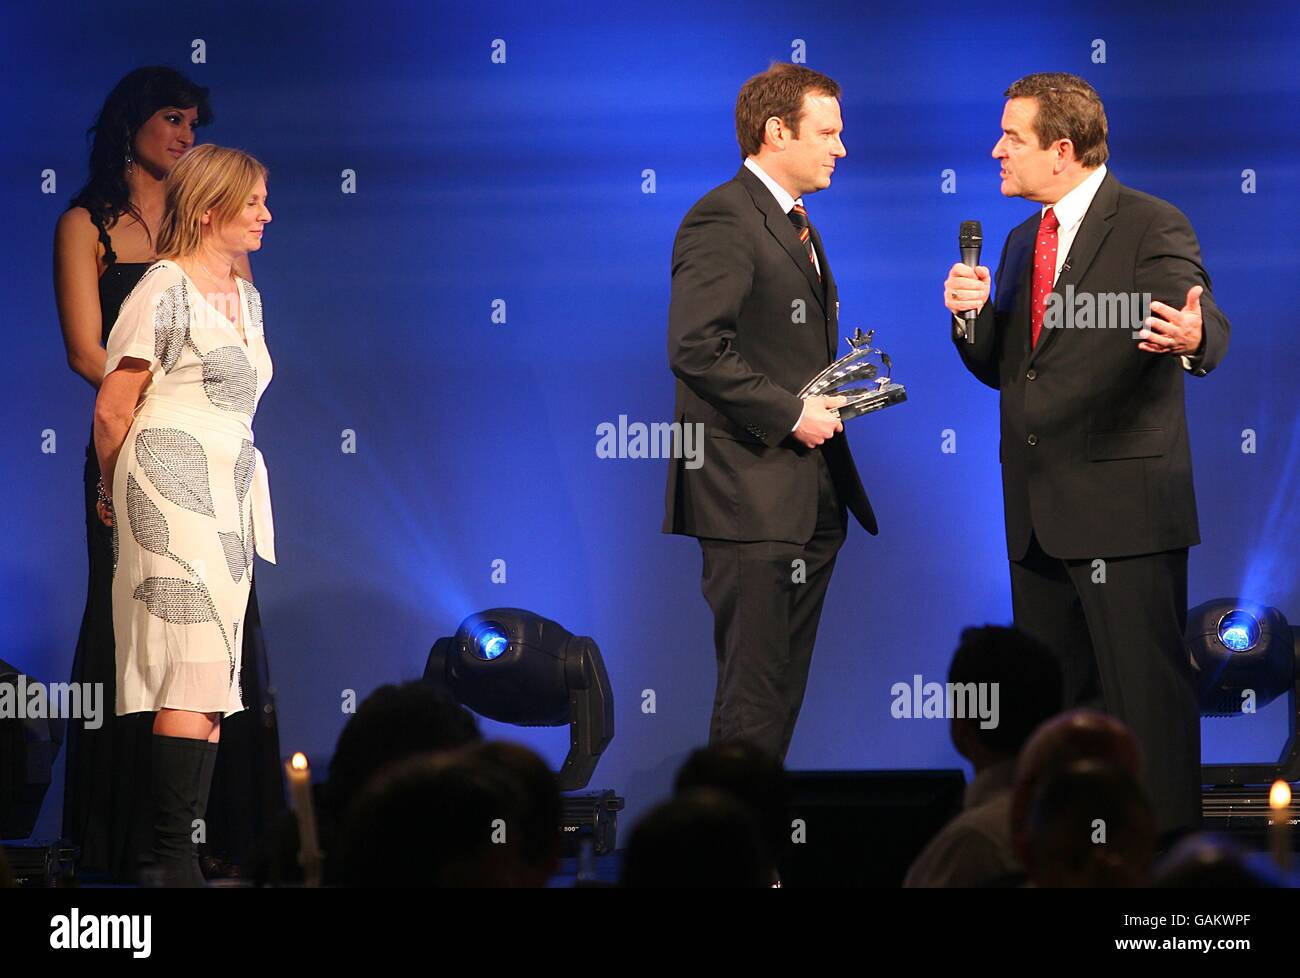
{"x": 752, "y": 335}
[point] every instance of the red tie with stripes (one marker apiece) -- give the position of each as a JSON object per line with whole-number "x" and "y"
{"x": 799, "y": 218}
{"x": 1044, "y": 271}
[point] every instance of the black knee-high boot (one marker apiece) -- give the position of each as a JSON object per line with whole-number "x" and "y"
{"x": 205, "y": 789}
{"x": 179, "y": 797}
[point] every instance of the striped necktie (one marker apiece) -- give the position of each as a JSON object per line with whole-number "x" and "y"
{"x": 799, "y": 218}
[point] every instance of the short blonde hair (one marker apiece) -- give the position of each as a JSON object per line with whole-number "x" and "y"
{"x": 207, "y": 177}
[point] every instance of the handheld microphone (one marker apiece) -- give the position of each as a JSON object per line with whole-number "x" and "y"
{"x": 970, "y": 239}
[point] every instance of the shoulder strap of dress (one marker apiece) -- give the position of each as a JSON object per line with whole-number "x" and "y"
{"x": 109, "y": 255}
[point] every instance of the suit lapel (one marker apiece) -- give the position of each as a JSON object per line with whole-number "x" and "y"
{"x": 831, "y": 301}
{"x": 1087, "y": 242}
{"x": 778, "y": 224}
{"x": 1022, "y": 312}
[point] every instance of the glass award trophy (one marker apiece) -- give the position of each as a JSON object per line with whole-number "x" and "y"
{"x": 858, "y": 378}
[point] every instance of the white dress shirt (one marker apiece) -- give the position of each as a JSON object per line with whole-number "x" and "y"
{"x": 1069, "y": 212}
{"x": 782, "y": 197}
{"x": 787, "y": 204}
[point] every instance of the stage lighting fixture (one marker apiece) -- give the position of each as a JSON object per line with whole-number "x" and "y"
{"x": 1239, "y": 630}
{"x": 1245, "y": 654}
{"x": 517, "y": 667}
{"x": 489, "y": 641}
{"x": 28, "y": 748}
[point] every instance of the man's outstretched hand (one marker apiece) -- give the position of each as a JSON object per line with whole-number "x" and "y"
{"x": 1171, "y": 330}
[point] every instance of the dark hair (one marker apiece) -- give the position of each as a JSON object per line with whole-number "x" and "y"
{"x": 1068, "y": 108}
{"x": 1210, "y": 861}
{"x": 704, "y": 838}
{"x": 1064, "y": 813}
{"x": 779, "y": 92}
{"x": 392, "y": 723}
{"x": 541, "y": 811}
{"x": 129, "y": 106}
{"x": 1028, "y": 678}
{"x": 753, "y": 777}
{"x": 429, "y": 821}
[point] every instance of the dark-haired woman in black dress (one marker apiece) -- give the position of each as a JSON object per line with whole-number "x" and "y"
{"x": 103, "y": 243}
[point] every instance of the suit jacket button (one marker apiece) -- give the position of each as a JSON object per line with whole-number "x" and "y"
{"x": 1032, "y": 374}
{"x": 1032, "y": 439}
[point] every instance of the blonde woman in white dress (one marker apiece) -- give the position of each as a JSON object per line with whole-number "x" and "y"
{"x": 189, "y": 502}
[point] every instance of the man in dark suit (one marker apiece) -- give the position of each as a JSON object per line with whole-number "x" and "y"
{"x": 753, "y": 317}
{"x": 1096, "y": 464}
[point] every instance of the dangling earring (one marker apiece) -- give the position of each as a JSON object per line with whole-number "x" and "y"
{"x": 130, "y": 162}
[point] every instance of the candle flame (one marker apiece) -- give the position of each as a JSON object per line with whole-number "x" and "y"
{"x": 1279, "y": 796}
{"x": 299, "y": 763}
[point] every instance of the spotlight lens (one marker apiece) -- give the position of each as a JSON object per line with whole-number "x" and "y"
{"x": 490, "y": 642}
{"x": 1239, "y": 631}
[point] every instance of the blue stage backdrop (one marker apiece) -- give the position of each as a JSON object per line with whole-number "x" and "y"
{"x": 496, "y": 288}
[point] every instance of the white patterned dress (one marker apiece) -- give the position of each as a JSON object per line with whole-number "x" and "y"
{"x": 190, "y": 496}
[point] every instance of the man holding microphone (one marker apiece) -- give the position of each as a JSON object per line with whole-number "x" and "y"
{"x": 1096, "y": 463}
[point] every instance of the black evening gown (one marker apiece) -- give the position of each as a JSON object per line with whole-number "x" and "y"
{"x": 107, "y": 807}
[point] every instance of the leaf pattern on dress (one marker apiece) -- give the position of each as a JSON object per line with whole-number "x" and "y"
{"x": 229, "y": 380}
{"x": 171, "y": 325}
{"x": 233, "y": 545}
{"x": 254, "y": 307}
{"x": 115, "y": 546}
{"x": 250, "y": 547}
{"x": 179, "y": 602}
{"x": 148, "y": 525}
{"x": 175, "y": 463}
{"x": 174, "y": 467}
{"x": 176, "y": 600}
{"x": 244, "y": 466}
{"x": 234, "y": 645}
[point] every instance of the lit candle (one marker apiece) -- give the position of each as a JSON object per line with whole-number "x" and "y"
{"x": 299, "y": 774}
{"x": 1279, "y": 824}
